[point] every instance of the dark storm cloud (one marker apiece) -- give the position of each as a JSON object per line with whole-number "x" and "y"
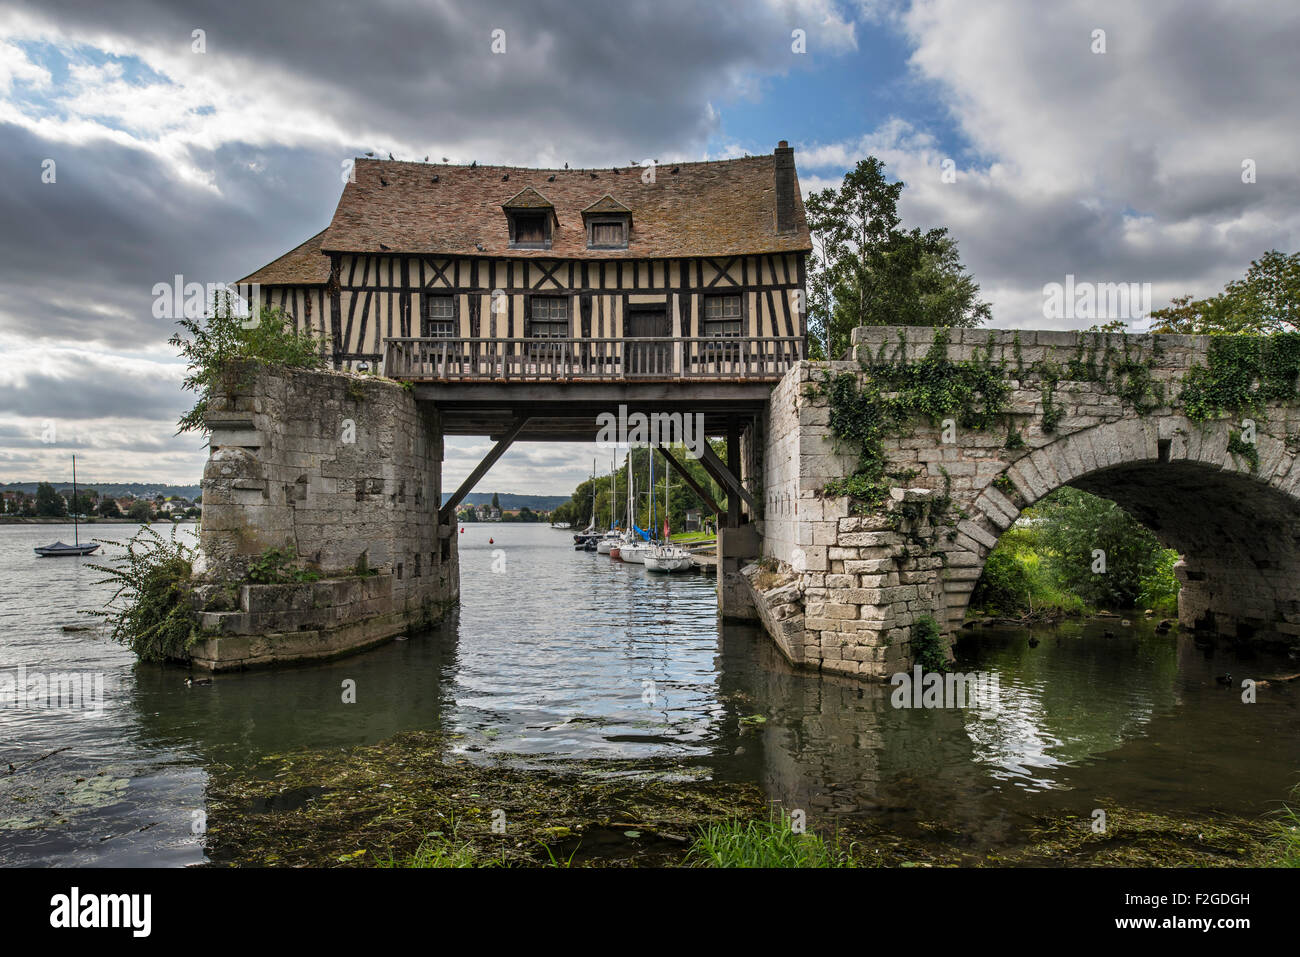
{"x": 601, "y": 80}
{"x": 79, "y": 257}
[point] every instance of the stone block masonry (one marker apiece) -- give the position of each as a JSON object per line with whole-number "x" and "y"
{"x": 842, "y": 589}
{"x": 346, "y": 471}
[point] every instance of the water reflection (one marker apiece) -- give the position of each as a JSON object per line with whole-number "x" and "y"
{"x": 568, "y": 655}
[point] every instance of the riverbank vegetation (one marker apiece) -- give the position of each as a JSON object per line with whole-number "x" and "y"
{"x": 408, "y": 802}
{"x": 150, "y": 611}
{"x": 596, "y": 502}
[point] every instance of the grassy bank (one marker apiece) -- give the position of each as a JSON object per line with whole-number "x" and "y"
{"x": 407, "y": 803}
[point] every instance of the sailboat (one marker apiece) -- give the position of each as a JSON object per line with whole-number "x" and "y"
{"x": 636, "y": 550}
{"x": 58, "y": 548}
{"x": 668, "y": 557}
{"x": 605, "y": 544}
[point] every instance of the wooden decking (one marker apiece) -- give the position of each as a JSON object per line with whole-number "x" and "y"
{"x": 733, "y": 359}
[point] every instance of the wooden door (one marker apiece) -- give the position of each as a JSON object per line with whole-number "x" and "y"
{"x": 649, "y": 358}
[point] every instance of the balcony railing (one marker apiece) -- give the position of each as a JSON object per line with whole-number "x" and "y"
{"x": 752, "y": 358}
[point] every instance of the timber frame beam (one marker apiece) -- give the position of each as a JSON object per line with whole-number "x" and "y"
{"x": 448, "y": 511}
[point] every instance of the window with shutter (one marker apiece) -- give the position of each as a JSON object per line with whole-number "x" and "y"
{"x": 531, "y": 230}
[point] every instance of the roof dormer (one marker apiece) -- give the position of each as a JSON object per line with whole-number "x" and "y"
{"x": 608, "y": 223}
{"x": 530, "y": 218}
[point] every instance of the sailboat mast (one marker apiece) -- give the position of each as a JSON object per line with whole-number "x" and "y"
{"x": 76, "y": 537}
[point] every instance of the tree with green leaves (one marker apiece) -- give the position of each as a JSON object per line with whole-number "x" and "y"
{"x": 108, "y": 508}
{"x": 496, "y": 501}
{"x": 1265, "y": 301}
{"x": 866, "y": 270}
{"x": 1096, "y": 549}
{"x": 50, "y": 503}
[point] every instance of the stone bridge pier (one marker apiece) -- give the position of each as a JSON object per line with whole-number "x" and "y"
{"x": 847, "y": 588}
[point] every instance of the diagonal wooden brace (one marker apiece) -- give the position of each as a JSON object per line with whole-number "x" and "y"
{"x": 694, "y": 486}
{"x": 447, "y": 513}
{"x": 719, "y": 472}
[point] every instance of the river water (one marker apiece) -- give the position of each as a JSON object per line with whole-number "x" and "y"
{"x": 557, "y": 655}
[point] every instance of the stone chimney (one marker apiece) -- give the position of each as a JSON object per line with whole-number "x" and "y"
{"x": 784, "y": 172}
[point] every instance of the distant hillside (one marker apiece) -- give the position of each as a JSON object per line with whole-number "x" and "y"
{"x": 115, "y": 489}
{"x": 538, "y": 503}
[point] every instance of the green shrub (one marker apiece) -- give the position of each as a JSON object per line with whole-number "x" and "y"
{"x": 151, "y": 612}
{"x": 1004, "y": 588}
{"x": 1160, "y": 587}
{"x": 275, "y": 566}
{"x": 216, "y": 343}
{"x": 928, "y": 649}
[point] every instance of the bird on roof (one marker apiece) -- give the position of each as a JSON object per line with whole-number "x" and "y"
{"x": 505, "y": 177}
{"x": 593, "y": 175}
{"x": 616, "y": 171}
{"x": 478, "y": 246}
{"x": 566, "y": 165}
{"x": 435, "y": 177}
{"x": 473, "y": 163}
{"x": 390, "y": 156}
{"x": 370, "y": 152}
{"x": 385, "y": 248}
{"x": 382, "y": 181}
{"x": 551, "y": 178}
{"x": 444, "y": 159}
{"x": 676, "y": 169}
{"x": 426, "y": 159}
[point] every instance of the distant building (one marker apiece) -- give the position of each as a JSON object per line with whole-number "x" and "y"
{"x": 692, "y": 523}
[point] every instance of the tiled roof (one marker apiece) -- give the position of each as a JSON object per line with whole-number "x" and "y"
{"x": 721, "y": 208}
{"x": 527, "y": 198}
{"x": 303, "y": 265}
{"x": 607, "y": 204}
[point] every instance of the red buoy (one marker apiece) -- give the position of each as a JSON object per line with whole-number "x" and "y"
{"x": 489, "y": 541}
{"x": 462, "y": 530}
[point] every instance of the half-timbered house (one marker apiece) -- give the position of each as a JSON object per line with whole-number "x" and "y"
{"x": 436, "y": 272}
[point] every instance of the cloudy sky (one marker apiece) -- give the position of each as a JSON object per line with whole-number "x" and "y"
{"x": 209, "y": 154}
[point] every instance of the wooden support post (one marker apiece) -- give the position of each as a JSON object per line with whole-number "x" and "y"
{"x": 733, "y": 465}
{"x": 447, "y": 514}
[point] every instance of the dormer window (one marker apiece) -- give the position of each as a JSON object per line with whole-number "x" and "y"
{"x": 607, "y": 234}
{"x": 608, "y": 222}
{"x": 531, "y": 219}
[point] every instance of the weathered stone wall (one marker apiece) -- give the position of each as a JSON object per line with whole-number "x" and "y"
{"x": 865, "y": 580}
{"x": 345, "y": 470}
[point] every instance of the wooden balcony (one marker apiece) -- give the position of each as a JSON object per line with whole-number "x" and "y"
{"x": 732, "y": 359}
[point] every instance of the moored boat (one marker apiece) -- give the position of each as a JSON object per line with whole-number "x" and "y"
{"x": 59, "y": 549}
{"x": 668, "y": 558}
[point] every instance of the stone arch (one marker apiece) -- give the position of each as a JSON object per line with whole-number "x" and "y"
{"x": 1236, "y": 523}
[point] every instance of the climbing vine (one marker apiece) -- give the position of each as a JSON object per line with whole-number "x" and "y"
{"x": 891, "y": 393}
{"x": 881, "y": 402}
{"x": 1241, "y": 375}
